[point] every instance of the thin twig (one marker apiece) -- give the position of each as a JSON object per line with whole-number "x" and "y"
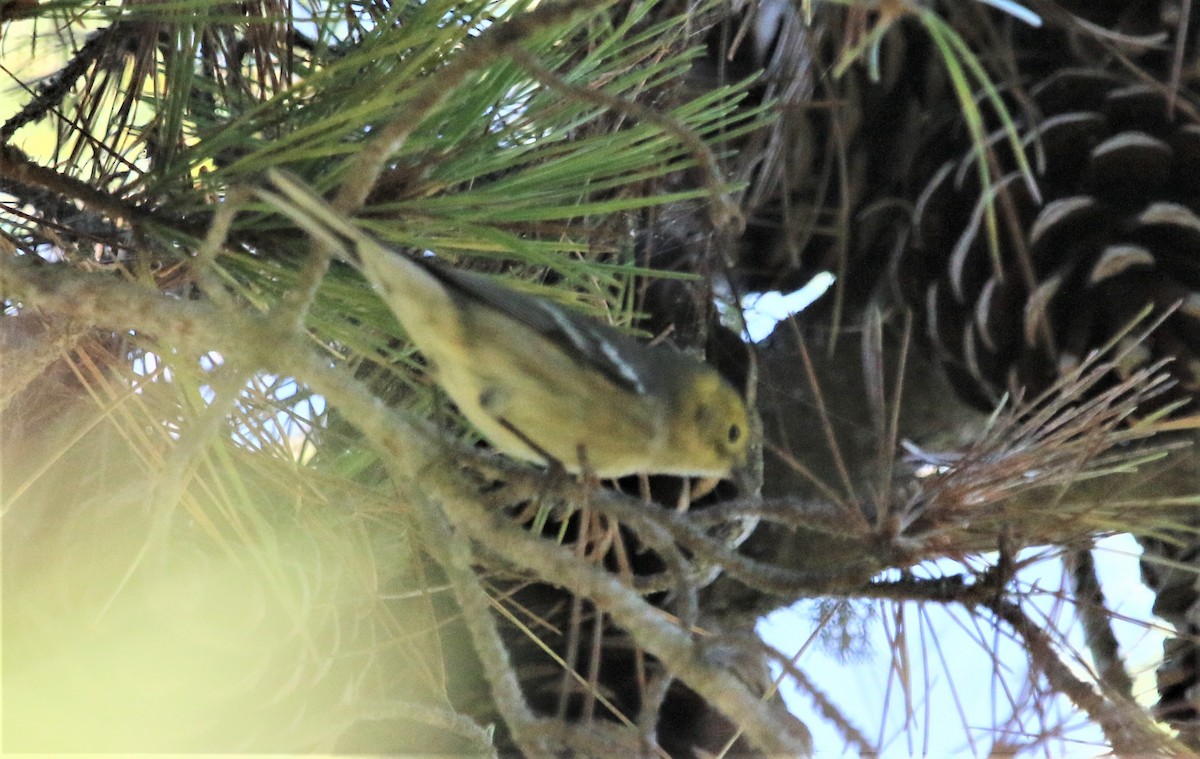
{"x": 17, "y": 167}
{"x": 1128, "y": 729}
{"x": 1093, "y": 611}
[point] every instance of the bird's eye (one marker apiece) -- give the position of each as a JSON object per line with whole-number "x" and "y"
{"x": 735, "y": 433}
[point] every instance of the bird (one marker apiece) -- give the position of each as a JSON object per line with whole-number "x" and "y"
{"x": 540, "y": 382}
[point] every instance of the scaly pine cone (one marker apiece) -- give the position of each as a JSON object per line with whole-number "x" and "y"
{"x": 1117, "y": 229}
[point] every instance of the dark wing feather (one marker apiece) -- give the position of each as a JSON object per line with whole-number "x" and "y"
{"x": 605, "y": 349}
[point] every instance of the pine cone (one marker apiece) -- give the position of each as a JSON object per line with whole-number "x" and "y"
{"x": 1168, "y": 570}
{"x": 1116, "y": 230}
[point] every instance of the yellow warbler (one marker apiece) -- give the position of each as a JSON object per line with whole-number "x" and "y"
{"x": 534, "y": 378}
